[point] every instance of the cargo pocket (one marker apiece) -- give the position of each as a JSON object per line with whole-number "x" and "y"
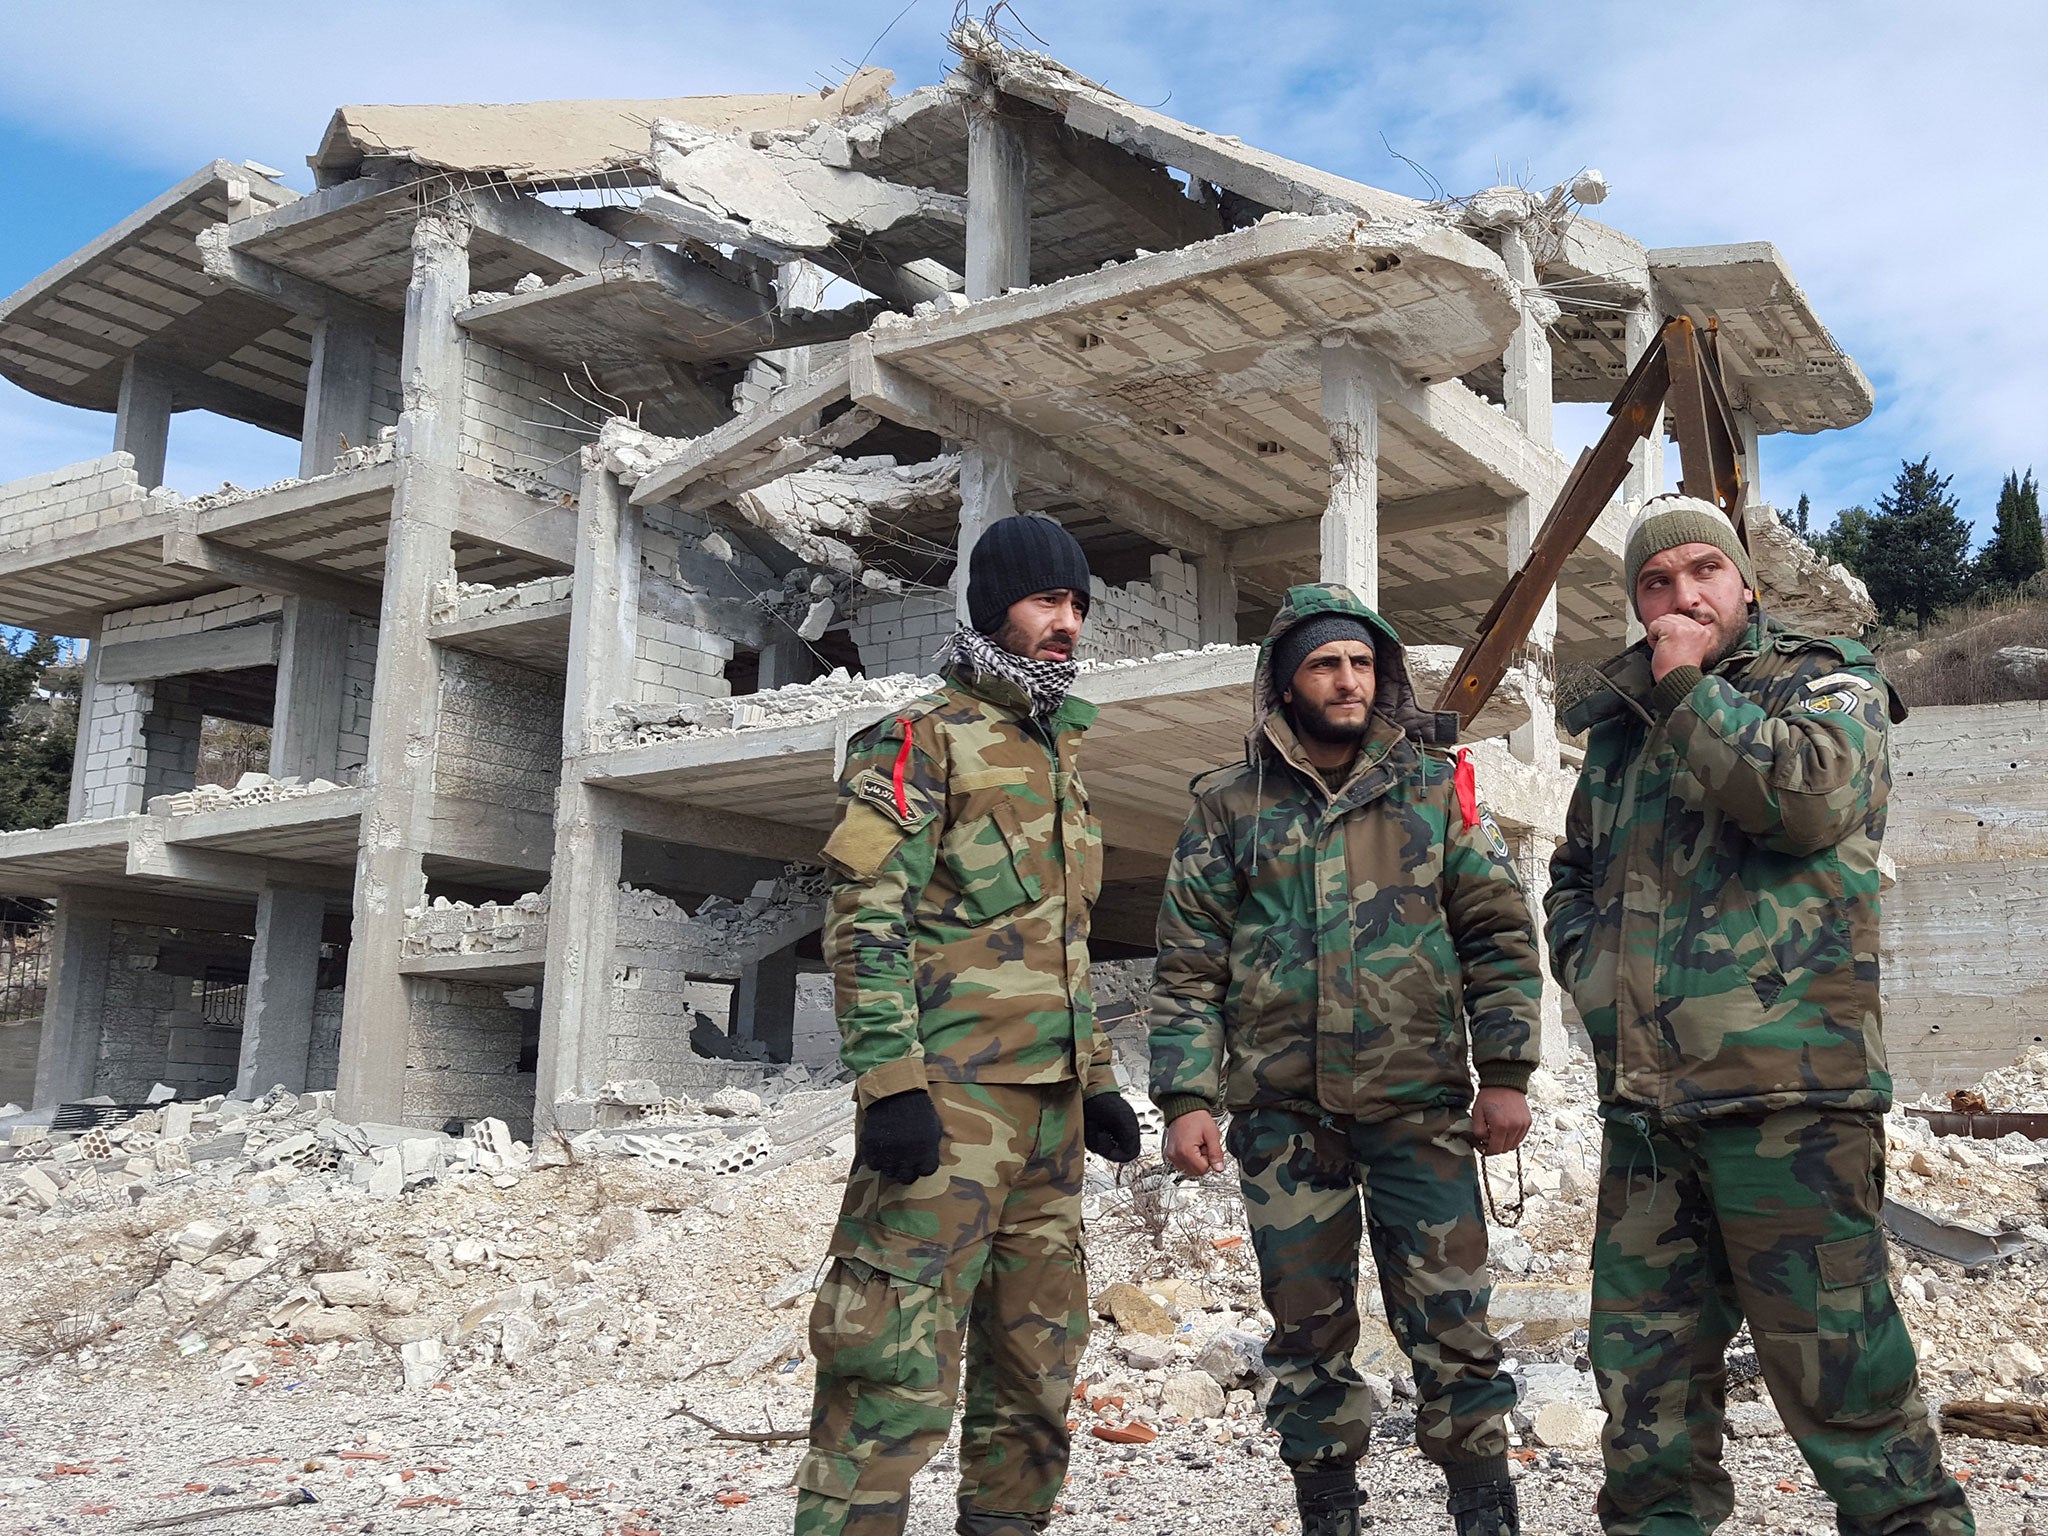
{"x": 1854, "y": 1370}
{"x": 829, "y": 1474}
{"x": 876, "y": 1328}
{"x": 985, "y": 856}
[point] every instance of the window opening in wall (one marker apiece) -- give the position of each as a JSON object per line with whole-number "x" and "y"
{"x": 230, "y": 748}
{"x": 24, "y": 969}
{"x": 222, "y": 997}
{"x": 743, "y": 672}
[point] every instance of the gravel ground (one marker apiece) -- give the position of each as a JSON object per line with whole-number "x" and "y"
{"x": 577, "y": 1307}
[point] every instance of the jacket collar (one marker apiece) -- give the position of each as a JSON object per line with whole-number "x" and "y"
{"x": 1384, "y": 755}
{"x": 1074, "y": 714}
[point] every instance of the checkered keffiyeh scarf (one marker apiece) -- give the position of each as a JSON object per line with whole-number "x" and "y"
{"x": 1045, "y": 683}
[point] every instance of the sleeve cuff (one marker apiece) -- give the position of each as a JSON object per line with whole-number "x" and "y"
{"x": 1174, "y": 1105}
{"x": 1506, "y": 1074}
{"x": 1671, "y": 692}
{"x": 903, "y": 1075}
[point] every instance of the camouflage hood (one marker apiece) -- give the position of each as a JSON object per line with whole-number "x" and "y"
{"x": 1393, "y": 692}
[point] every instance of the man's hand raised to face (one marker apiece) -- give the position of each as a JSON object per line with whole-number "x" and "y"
{"x": 1678, "y": 640}
{"x": 1194, "y": 1145}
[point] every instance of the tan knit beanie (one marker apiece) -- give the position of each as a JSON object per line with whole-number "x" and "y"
{"x": 1672, "y": 519}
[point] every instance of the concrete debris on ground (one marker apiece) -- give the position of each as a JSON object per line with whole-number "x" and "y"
{"x": 257, "y": 1297}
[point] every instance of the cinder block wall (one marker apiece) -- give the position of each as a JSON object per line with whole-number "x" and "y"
{"x": 1140, "y": 619}
{"x": 73, "y": 500}
{"x": 150, "y": 1026}
{"x": 467, "y": 1047}
{"x": 520, "y": 421}
{"x": 501, "y": 732}
{"x": 1965, "y": 975}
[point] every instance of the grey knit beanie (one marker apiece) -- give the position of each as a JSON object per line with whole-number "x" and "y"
{"x": 1672, "y": 519}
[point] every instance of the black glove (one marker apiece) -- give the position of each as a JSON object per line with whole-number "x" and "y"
{"x": 1109, "y": 1127}
{"x": 899, "y": 1137}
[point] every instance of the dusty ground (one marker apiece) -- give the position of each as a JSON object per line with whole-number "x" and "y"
{"x": 577, "y": 1308}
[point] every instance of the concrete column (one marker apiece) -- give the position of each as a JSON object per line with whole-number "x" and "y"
{"x": 786, "y": 660}
{"x": 576, "y": 995}
{"x": 338, "y": 388}
{"x": 1529, "y": 389}
{"x": 67, "y": 1055}
{"x": 988, "y": 493}
{"x": 284, "y": 974}
{"x": 998, "y": 258}
{"x": 1646, "y": 460}
{"x": 1216, "y": 600}
{"x": 764, "y": 1004}
{"x": 1351, "y": 521}
{"x": 312, "y": 681}
{"x": 1531, "y": 851}
{"x": 142, "y": 418}
{"x": 1752, "y": 463}
{"x": 405, "y": 705}
{"x": 81, "y": 751}
{"x": 1527, "y": 384}
{"x": 998, "y": 201}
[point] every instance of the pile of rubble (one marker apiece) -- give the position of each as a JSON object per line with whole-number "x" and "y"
{"x": 2021, "y": 1086}
{"x": 354, "y": 1301}
{"x": 445, "y": 927}
{"x": 474, "y": 600}
{"x": 250, "y": 789}
{"x": 836, "y": 693}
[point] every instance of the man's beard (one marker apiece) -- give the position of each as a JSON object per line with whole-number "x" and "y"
{"x": 1013, "y": 639}
{"x": 1727, "y": 634}
{"x": 1318, "y": 726}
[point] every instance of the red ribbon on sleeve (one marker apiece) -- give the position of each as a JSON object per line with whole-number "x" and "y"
{"x": 903, "y": 763}
{"x": 1466, "y": 782}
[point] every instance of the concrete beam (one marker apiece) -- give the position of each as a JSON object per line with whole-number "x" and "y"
{"x": 215, "y": 650}
{"x": 743, "y": 436}
{"x": 238, "y": 269}
{"x": 218, "y": 869}
{"x": 478, "y": 832}
{"x": 1526, "y": 369}
{"x": 1302, "y": 539}
{"x": 902, "y": 397}
{"x": 998, "y": 199}
{"x": 1216, "y": 600}
{"x": 493, "y": 514}
{"x": 267, "y": 573}
{"x": 142, "y": 419}
{"x": 284, "y": 973}
{"x": 1350, "y": 550}
{"x": 695, "y": 826}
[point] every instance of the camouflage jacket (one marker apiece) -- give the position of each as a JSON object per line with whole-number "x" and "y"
{"x": 1714, "y": 905}
{"x": 1336, "y": 951}
{"x": 965, "y": 863}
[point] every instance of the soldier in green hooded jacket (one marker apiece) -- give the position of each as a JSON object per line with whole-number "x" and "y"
{"x": 1713, "y": 911}
{"x": 965, "y": 862}
{"x": 1343, "y": 942}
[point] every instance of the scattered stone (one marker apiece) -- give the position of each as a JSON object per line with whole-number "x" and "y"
{"x": 1568, "y": 1426}
{"x": 620, "y": 1227}
{"x": 1754, "y": 1421}
{"x": 1233, "y": 1357}
{"x": 349, "y": 1288}
{"x": 200, "y": 1240}
{"x": 1192, "y": 1395}
{"x": 1132, "y": 1310}
{"x": 1145, "y": 1351}
{"x": 422, "y": 1363}
{"x": 2013, "y": 1362}
{"x": 325, "y": 1323}
{"x": 731, "y": 1102}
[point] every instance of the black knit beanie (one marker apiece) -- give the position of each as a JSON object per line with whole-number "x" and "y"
{"x": 1016, "y": 557}
{"x": 1309, "y": 636}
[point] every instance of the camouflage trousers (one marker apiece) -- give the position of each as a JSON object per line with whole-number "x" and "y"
{"x": 1705, "y": 1223}
{"x": 987, "y": 1251}
{"x": 1302, "y": 1177}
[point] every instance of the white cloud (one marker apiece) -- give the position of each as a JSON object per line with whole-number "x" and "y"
{"x": 1889, "y": 150}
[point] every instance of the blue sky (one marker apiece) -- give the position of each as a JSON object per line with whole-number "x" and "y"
{"x": 1891, "y": 151}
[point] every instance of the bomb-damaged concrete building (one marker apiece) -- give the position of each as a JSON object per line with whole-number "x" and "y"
{"x": 641, "y": 441}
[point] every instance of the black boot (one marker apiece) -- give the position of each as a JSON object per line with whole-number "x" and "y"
{"x": 1327, "y": 1497}
{"x": 1486, "y": 1509}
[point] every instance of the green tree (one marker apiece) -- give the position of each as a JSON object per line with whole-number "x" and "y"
{"x": 1802, "y": 517}
{"x": 38, "y": 722}
{"x": 2015, "y": 551}
{"x": 1843, "y": 543}
{"x": 1916, "y": 556}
